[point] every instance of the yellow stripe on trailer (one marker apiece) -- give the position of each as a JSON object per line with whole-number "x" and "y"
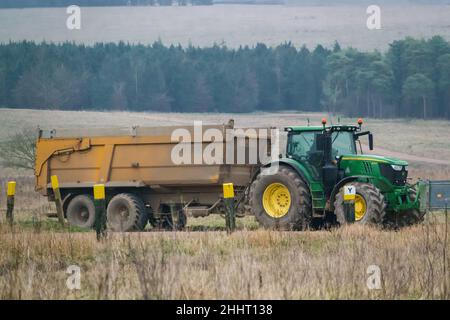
{"x": 99, "y": 191}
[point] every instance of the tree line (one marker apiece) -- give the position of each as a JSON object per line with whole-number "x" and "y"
{"x": 411, "y": 79}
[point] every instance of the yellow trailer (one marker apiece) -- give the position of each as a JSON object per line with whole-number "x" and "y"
{"x": 143, "y": 180}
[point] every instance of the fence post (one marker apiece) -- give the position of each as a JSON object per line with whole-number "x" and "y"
{"x": 10, "y": 192}
{"x": 349, "y": 203}
{"x": 100, "y": 210}
{"x": 58, "y": 200}
{"x": 228, "y": 198}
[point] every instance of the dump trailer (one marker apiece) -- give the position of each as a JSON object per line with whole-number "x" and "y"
{"x": 150, "y": 177}
{"x": 145, "y": 176}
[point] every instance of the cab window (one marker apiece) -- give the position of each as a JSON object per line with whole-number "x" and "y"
{"x": 303, "y": 145}
{"x": 343, "y": 143}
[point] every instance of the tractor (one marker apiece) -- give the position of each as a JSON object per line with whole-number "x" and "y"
{"x": 308, "y": 184}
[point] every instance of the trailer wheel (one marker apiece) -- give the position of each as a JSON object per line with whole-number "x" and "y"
{"x": 126, "y": 212}
{"x": 369, "y": 205}
{"x": 281, "y": 201}
{"x": 81, "y": 211}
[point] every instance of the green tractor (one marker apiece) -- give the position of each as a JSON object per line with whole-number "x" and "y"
{"x": 307, "y": 184}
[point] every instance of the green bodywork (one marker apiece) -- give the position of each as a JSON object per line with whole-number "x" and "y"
{"x": 353, "y": 166}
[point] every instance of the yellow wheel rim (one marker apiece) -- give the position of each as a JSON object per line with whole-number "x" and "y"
{"x": 277, "y": 200}
{"x": 360, "y": 207}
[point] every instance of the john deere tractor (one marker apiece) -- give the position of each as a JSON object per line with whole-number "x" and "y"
{"x": 309, "y": 182}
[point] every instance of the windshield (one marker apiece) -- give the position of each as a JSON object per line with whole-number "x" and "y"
{"x": 304, "y": 145}
{"x": 343, "y": 143}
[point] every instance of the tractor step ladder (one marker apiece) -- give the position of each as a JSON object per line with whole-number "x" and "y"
{"x": 317, "y": 195}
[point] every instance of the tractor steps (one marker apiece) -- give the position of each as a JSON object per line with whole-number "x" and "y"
{"x": 317, "y": 195}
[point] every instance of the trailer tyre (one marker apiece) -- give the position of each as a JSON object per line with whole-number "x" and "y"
{"x": 370, "y": 207}
{"x": 281, "y": 201}
{"x": 81, "y": 211}
{"x": 126, "y": 212}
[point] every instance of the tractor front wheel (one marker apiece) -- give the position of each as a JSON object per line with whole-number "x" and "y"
{"x": 369, "y": 205}
{"x": 281, "y": 200}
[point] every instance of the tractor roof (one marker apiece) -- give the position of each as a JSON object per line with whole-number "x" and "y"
{"x": 350, "y": 128}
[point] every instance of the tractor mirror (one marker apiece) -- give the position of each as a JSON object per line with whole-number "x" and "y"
{"x": 370, "y": 141}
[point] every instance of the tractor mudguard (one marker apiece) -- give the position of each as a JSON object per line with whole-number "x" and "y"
{"x": 296, "y": 166}
{"x": 344, "y": 181}
{"x": 338, "y": 186}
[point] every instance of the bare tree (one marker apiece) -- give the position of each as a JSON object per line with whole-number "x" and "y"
{"x": 19, "y": 150}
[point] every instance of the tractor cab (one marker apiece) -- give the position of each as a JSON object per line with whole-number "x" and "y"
{"x": 320, "y": 149}
{"x": 317, "y": 147}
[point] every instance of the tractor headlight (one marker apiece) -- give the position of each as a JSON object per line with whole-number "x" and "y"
{"x": 397, "y": 167}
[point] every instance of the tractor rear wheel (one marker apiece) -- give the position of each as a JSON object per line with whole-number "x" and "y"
{"x": 126, "y": 212}
{"x": 81, "y": 211}
{"x": 369, "y": 205}
{"x": 281, "y": 201}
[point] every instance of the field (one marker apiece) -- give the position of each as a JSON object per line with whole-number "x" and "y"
{"x": 212, "y": 265}
{"x": 204, "y": 262}
{"x": 232, "y": 25}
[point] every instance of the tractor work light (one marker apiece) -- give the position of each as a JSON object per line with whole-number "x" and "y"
{"x": 397, "y": 167}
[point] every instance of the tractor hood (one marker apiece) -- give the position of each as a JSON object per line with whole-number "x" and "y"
{"x": 389, "y": 172}
{"x": 373, "y": 158}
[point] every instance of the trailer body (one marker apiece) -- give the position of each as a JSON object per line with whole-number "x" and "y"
{"x": 140, "y": 160}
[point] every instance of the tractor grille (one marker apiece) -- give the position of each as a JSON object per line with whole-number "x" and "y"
{"x": 368, "y": 168}
{"x": 398, "y": 178}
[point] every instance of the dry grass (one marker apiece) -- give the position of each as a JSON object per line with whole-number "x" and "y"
{"x": 211, "y": 265}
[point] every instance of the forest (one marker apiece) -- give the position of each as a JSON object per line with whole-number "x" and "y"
{"x": 410, "y": 80}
